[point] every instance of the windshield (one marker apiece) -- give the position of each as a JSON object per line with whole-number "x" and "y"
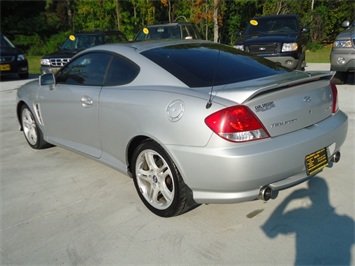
{"x": 161, "y": 32}
{"x": 83, "y": 41}
{"x": 5, "y": 42}
{"x": 209, "y": 64}
{"x": 267, "y": 25}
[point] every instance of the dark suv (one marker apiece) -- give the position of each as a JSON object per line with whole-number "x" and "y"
{"x": 178, "y": 30}
{"x": 279, "y": 38}
{"x": 75, "y": 43}
{"x": 12, "y": 60}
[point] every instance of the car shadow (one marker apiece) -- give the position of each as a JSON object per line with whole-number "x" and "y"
{"x": 351, "y": 79}
{"x": 322, "y": 236}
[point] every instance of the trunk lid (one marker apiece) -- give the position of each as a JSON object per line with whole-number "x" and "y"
{"x": 286, "y": 102}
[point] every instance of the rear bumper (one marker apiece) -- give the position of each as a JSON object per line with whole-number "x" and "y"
{"x": 229, "y": 173}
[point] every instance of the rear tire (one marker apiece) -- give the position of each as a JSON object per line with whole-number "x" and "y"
{"x": 158, "y": 181}
{"x": 32, "y": 132}
{"x": 340, "y": 77}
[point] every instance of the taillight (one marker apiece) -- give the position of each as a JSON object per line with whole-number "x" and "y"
{"x": 236, "y": 123}
{"x": 335, "y": 106}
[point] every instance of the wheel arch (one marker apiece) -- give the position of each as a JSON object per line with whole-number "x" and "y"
{"x": 131, "y": 147}
{"x": 19, "y": 106}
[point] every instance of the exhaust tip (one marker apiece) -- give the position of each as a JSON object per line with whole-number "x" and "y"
{"x": 336, "y": 157}
{"x": 265, "y": 193}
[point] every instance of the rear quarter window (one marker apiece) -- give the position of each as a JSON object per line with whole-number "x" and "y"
{"x": 208, "y": 64}
{"x": 121, "y": 71}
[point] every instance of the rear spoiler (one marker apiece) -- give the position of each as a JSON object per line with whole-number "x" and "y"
{"x": 250, "y": 89}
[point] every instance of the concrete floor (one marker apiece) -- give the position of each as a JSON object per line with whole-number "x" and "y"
{"x": 60, "y": 208}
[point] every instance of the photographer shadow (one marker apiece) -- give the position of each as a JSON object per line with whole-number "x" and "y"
{"x": 322, "y": 236}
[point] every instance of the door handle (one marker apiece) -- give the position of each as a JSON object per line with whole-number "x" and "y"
{"x": 86, "y": 101}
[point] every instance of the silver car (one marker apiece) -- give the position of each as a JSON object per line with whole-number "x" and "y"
{"x": 342, "y": 57}
{"x": 191, "y": 121}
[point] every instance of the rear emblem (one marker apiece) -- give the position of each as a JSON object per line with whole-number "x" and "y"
{"x": 264, "y": 107}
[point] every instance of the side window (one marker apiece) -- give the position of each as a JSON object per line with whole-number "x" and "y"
{"x": 88, "y": 69}
{"x": 192, "y": 32}
{"x": 185, "y": 32}
{"x": 121, "y": 71}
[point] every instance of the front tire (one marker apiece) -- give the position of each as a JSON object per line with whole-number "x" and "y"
{"x": 158, "y": 181}
{"x": 32, "y": 132}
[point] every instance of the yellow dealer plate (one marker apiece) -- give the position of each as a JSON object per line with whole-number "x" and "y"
{"x": 316, "y": 161}
{"x": 5, "y": 67}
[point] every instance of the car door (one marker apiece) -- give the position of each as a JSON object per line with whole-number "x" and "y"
{"x": 69, "y": 108}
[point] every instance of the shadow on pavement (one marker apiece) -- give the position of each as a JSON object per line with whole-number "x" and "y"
{"x": 351, "y": 79}
{"x": 322, "y": 236}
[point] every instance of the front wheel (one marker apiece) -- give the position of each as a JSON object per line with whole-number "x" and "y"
{"x": 158, "y": 181}
{"x": 32, "y": 132}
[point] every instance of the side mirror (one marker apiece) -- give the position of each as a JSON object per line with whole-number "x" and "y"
{"x": 345, "y": 24}
{"x": 46, "y": 79}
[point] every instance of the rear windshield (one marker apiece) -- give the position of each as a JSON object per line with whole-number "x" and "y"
{"x": 209, "y": 64}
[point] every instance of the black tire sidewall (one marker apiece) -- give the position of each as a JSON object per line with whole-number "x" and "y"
{"x": 41, "y": 143}
{"x": 176, "y": 206}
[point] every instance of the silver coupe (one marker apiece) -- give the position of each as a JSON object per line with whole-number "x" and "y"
{"x": 190, "y": 121}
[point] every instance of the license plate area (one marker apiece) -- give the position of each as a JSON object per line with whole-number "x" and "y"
{"x": 316, "y": 161}
{"x": 5, "y": 67}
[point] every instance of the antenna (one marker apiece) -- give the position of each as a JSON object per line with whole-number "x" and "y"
{"x": 209, "y": 103}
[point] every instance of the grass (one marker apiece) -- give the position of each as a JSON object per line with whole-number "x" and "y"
{"x": 319, "y": 56}
{"x": 34, "y": 64}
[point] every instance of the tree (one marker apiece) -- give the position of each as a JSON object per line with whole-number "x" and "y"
{"x": 216, "y": 6}
{"x": 39, "y": 25}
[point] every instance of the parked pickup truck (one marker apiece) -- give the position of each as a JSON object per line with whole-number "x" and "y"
{"x": 279, "y": 38}
{"x": 342, "y": 57}
{"x": 75, "y": 43}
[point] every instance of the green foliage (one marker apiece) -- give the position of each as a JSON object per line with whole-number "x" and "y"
{"x": 40, "y": 26}
{"x": 34, "y": 65}
{"x": 321, "y": 55}
{"x": 236, "y": 15}
{"x": 95, "y": 15}
{"x": 314, "y": 46}
{"x": 51, "y": 45}
{"x": 35, "y": 45}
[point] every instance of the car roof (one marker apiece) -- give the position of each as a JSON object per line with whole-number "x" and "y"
{"x": 97, "y": 32}
{"x": 277, "y": 16}
{"x": 169, "y": 24}
{"x": 150, "y": 44}
{"x": 132, "y": 49}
